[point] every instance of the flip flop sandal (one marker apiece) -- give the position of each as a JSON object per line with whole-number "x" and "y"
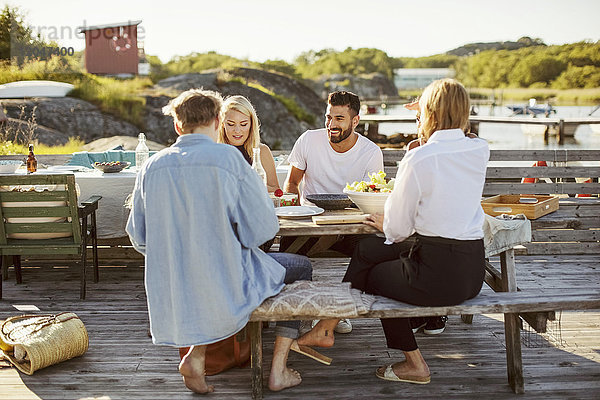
{"x": 389, "y": 375}
{"x": 310, "y": 352}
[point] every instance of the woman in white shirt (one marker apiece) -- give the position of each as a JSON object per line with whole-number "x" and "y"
{"x": 436, "y": 199}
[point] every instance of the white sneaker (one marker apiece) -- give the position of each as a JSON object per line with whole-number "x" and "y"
{"x": 344, "y": 326}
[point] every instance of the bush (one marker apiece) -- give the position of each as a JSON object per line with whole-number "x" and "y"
{"x": 73, "y": 145}
{"x": 290, "y": 104}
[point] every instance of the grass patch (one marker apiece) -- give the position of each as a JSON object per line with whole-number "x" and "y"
{"x": 73, "y": 145}
{"x": 119, "y": 97}
{"x": 290, "y": 104}
{"x": 115, "y": 96}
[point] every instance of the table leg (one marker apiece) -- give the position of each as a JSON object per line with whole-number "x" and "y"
{"x": 324, "y": 243}
{"x": 297, "y": 244}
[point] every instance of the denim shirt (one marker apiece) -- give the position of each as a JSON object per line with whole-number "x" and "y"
{"x": 199, "y": 214}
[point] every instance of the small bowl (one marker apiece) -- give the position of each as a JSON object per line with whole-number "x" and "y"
{"x": 9, "y": 166}
{"x": 112, "y": 166}
{"x": 369, "y": 203}
{"x": 330, "y": 201}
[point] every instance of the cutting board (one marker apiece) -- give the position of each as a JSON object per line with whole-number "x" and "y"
{"x": 339, "y": 219}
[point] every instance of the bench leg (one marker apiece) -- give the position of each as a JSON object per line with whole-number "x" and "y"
{"x": 512, "y": 326}
{"x": 467, "y": 318}
{"x": 255, "y": 330}
{"x": 514, "y": 362}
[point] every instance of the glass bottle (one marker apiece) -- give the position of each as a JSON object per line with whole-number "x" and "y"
{"x": 257, "y": 165}
{"x": 141, "y": 152}
{"x": 31, "y": 161}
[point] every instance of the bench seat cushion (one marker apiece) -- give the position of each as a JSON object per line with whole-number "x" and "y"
{"x": 317, "y": 299}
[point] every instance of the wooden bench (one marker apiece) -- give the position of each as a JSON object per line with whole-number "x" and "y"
{"x": 575, "y": 227}
{"x": 510, "y": 303}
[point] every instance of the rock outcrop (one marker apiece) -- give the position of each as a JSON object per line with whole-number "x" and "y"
{"x": 61, "y": 118}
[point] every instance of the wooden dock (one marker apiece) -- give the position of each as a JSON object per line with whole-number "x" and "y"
{"x": 563, "y": 127}
{"x": 465, "y": 360}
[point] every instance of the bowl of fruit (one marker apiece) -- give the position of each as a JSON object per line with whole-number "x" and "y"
{"x": 370, "y": 196}
{"x": 281, "y": 199}
{"x": 111, "y": 166}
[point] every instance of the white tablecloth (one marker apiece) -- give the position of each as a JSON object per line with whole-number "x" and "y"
{"x": 114, "y": 188}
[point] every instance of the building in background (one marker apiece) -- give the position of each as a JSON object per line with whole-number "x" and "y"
{"x": 418, "y": 78}
{"x": 114, "y": 49}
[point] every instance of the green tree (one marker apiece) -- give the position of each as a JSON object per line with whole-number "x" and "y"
{"x": 536, "y": 68}
{"x": 279, "y": 66}
{"x": 17, "y": 40}
{"x": 435, "y": 61}
{"x": 313, "y": 64}
{"x": 587, "y": 76}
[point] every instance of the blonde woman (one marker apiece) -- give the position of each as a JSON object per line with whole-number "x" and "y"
{"x": 436, "y": 200}
{"x": 240, "y": 128}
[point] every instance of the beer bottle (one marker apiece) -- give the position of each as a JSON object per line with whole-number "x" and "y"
{"x": 31, "y": 161}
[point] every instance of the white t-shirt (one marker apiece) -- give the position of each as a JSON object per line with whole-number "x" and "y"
{"x": 438, "y": 189}
{"x": 327, "y": 171}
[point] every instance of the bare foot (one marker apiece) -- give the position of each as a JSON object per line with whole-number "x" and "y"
{"x": 191, "y": 368}
{"x": 321, "y": 335}
{"x": 404, "y": 369}
{"x": 279, "y": 380}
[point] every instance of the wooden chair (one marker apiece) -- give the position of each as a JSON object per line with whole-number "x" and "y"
{"x": 45, "y": 219}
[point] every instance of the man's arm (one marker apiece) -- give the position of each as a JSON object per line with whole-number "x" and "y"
{"x": 293, "y": 180}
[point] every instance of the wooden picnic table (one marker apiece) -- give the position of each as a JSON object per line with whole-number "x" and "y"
{"x": 305, "y": 228}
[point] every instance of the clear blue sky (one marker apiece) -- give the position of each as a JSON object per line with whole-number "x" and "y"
{"x": 270, "y": 29}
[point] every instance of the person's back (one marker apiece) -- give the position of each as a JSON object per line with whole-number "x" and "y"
{"x": 449, "y": 174}
{"x": 193, "y": 193}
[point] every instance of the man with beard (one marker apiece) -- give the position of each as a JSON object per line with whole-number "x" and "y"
{"x": 327, "y": 159}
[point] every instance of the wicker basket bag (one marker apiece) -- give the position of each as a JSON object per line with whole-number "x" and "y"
{"x": 32, "y": 342}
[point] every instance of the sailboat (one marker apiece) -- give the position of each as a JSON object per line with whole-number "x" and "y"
{"x": 532, "y": 109}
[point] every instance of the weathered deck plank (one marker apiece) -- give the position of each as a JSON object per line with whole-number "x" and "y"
{"x": 466, "y": 360}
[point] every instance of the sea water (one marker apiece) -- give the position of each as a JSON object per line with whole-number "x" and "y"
{"x": 503, "y": 136}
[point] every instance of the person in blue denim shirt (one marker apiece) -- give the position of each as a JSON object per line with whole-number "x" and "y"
{"x": 199, "y": 214}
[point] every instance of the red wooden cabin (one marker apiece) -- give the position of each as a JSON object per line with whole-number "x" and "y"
{"x": 112, "y": 49}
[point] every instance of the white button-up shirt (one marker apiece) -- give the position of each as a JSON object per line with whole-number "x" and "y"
{"x": 438, "y": 189}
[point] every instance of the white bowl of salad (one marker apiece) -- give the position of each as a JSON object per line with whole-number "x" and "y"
{"x": 370, "y": 196}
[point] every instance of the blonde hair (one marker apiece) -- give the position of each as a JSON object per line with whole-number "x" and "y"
{"x": 444, "y": 104}
{"x": 194, "y": 108}
{"x": 243, "y": 105}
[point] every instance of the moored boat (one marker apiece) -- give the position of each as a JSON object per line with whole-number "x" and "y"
{"x": 23, "y": 89}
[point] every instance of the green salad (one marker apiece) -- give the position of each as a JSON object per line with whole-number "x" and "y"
{"x": 376, "y": 184}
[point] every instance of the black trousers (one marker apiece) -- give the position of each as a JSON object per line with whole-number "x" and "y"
{"x": 429, "y": 271}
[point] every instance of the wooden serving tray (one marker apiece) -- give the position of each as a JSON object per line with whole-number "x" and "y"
{"x": 533, "y": 206}
{"x": 339, "y": 219}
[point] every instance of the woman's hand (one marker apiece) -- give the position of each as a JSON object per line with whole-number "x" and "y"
{"x": 412, "y": 106}
{"x": 375, "y": 220}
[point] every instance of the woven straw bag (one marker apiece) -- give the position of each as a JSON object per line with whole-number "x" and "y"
{"x": 32, "y": 342}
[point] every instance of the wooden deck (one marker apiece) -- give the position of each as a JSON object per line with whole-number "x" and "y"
{"x": 466, "y": 360}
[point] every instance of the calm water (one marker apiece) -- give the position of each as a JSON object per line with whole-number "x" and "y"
{"x": 511, "y": 136}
